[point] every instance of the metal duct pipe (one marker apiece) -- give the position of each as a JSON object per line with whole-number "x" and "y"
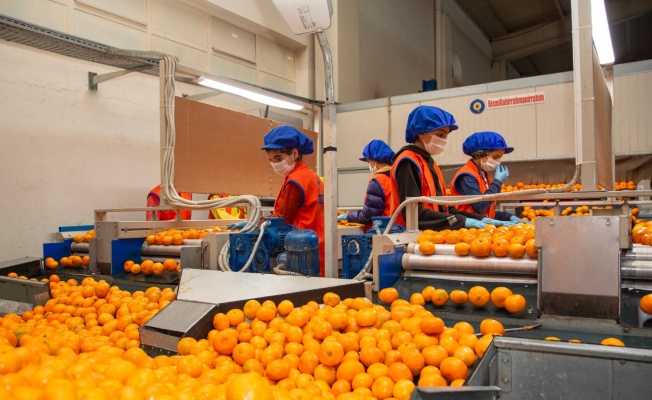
{"x": 489, "y": 265}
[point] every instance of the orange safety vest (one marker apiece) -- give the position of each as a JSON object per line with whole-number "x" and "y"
{"x": 471, "y": 169}
{"x": 233, "y": 212}
{"x": 310, "y": 214}
{"x": 385, "y": 181}
{"x": 167, "y": 215}
{"x": 428, "y": 187}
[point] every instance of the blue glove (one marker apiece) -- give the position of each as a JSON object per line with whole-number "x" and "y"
{"x": 502, "y": 173}
{"x": 342, "y": 217}
{"x": 496, "y": 222}
{"x": 474, "y": 223}
{"x": 516, "y": 219}
{"x": 237, "y": 225}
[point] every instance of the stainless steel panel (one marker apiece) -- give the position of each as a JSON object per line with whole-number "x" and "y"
{"x": 386, "y": 244}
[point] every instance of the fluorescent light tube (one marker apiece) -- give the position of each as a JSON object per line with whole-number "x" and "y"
{"x": 250, "y": 93}
{"x": 600, "y": 32}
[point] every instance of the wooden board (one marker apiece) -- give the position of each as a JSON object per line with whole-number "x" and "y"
{"x": 219, "y": 151}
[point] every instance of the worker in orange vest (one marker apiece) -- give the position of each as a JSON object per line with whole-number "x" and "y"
{"x": 486, "y": 149}
{"x": 226, "y": 212}
{"x": 154, "y": 200}
{"x": 415, "y": 173}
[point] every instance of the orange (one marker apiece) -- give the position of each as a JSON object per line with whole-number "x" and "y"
{"x": 499, "y": 294}
{"x": 531, "y": 249}
{"x": 479, "y": 296}
{"x": 285, "y": 307}
{"x": 466, "y": 354}
{"x": 362, "y": 380}
{"x": 453, "y": 368}
{"x": 483, "y": 344}
{"x": 251, "y": 308}
{"x": 646, "y": 303}
{"x": 427, "y": 248}
{"x": 377, "y": 370}
{"x": 433, "y": 355}
{"x": 489, "y": 325}
{"x": 612, "y": 342}
{"x": 398, "y": 371}
{"x": 453, "y": 237}
{"x": 500, "y": 248}
{"x": 235, "y": 317}
{"x": 423, "y": 236}
{"x": 347, "y": 370}
{"x": 277, "y": 370}
{"x": 417, "y": 298}
{"x": 432, "y": 325}
{"x": 266, "y": 313}
{"x": 439, "y": 297}
{"x": 340, "y": 386}
{"x": 158, "y": 268}
{"x": 462, "y": 248}
{"x": 224, "y": 343}
{"x": 190, "y": 365}
{"x": 426, "y": 293}
{"x": 432, "y": 380}
{"x": 403, "y": 389}
{"x": 248, "y": 386}
{"x": 325, "y": 373}
{"x": 438, "y": 238}
{"x": 515, "y": 303}
{"x": 221, "y": 321}
{"x": 308, "y": 361}
{"x": 366, "y": 317}
{"x": 383, "y": 388}
{"x": 135, "y": 269}
{"x": 330, "y": 353}
{"x": 331, "y": 299}
{"x": 481, "y": 247}
{"x": 459, "y": 296}
{"x": 516, "y": 250}
{"x": 371, "y": 355}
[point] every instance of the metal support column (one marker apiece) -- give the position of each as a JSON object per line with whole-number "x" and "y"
{"x": 163, "y": 124}
{"x": 330, "y": 164}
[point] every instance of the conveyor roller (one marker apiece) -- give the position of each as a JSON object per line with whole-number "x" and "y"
{"x": 171, "y": 251}
{"x": 488, "y": 265}
{"x": 79, "y": 247}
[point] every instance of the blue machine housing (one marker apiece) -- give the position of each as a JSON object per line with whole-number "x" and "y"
{"x": 241, "y": 246}
{"x": 302, "y": 252}
{"x": 356, "y": 249}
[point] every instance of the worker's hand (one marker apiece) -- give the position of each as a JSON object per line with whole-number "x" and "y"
{"x": 474, "y": 223}
{"x": 342, "y": 217}
{"x": 502, "y": 173}
{"x": 517, "y": 220}
{"x": 237, "y": 225}
{"x": 496, "y": 222}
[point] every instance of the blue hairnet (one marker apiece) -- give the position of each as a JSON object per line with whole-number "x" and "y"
{"x": 485, "y": 141}
{"x": 426, "y": 119}
{"x": 377, "y": 150}
{"x": 286, "y": 136}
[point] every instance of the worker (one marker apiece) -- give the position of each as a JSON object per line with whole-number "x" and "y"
{"x": 301, "y": 198}
{"x": 226, "y": 212}
{"x": 415, "y": 173}
{"x": 486, "y": 149}
{"x": 377, "y": 200}
{"x": 154, "y": 200}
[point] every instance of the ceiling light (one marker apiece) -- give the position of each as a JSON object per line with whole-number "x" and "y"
{"x": 600, "y": 32}
{"x": 249, "y": 92}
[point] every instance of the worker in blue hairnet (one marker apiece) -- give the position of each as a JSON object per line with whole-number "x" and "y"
{"x": 415, "y": 173}
{"x": 486, "y": 149}
{"x": 377, "y": 200}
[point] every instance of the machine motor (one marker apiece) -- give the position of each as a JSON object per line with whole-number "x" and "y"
{"x": 271, "y": 244}
{"x": 357, "y": 248}
{"x": 301, "y": 253}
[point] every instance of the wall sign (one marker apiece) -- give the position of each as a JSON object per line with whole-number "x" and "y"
{"x": 477, "y": 106}
{"x": 518, "y": 100}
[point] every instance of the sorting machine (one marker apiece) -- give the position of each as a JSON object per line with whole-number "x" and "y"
{"x": 585, "y": 284}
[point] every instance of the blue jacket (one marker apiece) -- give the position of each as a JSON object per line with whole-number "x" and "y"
{"x": 374, "y": 202}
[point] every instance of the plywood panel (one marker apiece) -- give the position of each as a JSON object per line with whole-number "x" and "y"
{"x": 231, "y": 69}
{"x": 45, "y": 13}
{"x": 180, "y": 21}
{"x": 188, "y": 56}
{"x": 130, "y": 9}
{"x": 109, "y": 32}
{"x": 355, "y": 130}
{"x": 218, "y": 151}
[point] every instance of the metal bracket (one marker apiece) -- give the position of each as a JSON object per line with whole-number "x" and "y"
{"x": 94, "y": 79}
{"x": 202, "y": 96}
{"x": 504, "y": 361}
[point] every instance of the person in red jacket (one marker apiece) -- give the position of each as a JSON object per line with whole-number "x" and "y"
{"x": 377, "y": 200}
{"x": 415, "y": 173}
{"x": 486, "y": 149}
{"x": 154, "y": 200}
{"x": 301, "y": 198}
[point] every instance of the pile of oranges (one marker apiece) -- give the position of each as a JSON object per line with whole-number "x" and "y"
{"x": 84, "y": 238}
{"x": 84, "y": 344}
{"x": 176, "y": 236}
{"x": 642, "y": 232}
{"x": 515, "y": 241}
{"x": 148, "y": 267}
{"x": 623, "y": 185}
{"x": 73, "y": 261}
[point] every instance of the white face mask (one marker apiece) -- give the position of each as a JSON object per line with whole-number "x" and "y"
{"x": 436, "y": 145}
{"x": 283, "y": 168}
{"x": 373, "y": 169}
{"x": 490, "y": 165}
